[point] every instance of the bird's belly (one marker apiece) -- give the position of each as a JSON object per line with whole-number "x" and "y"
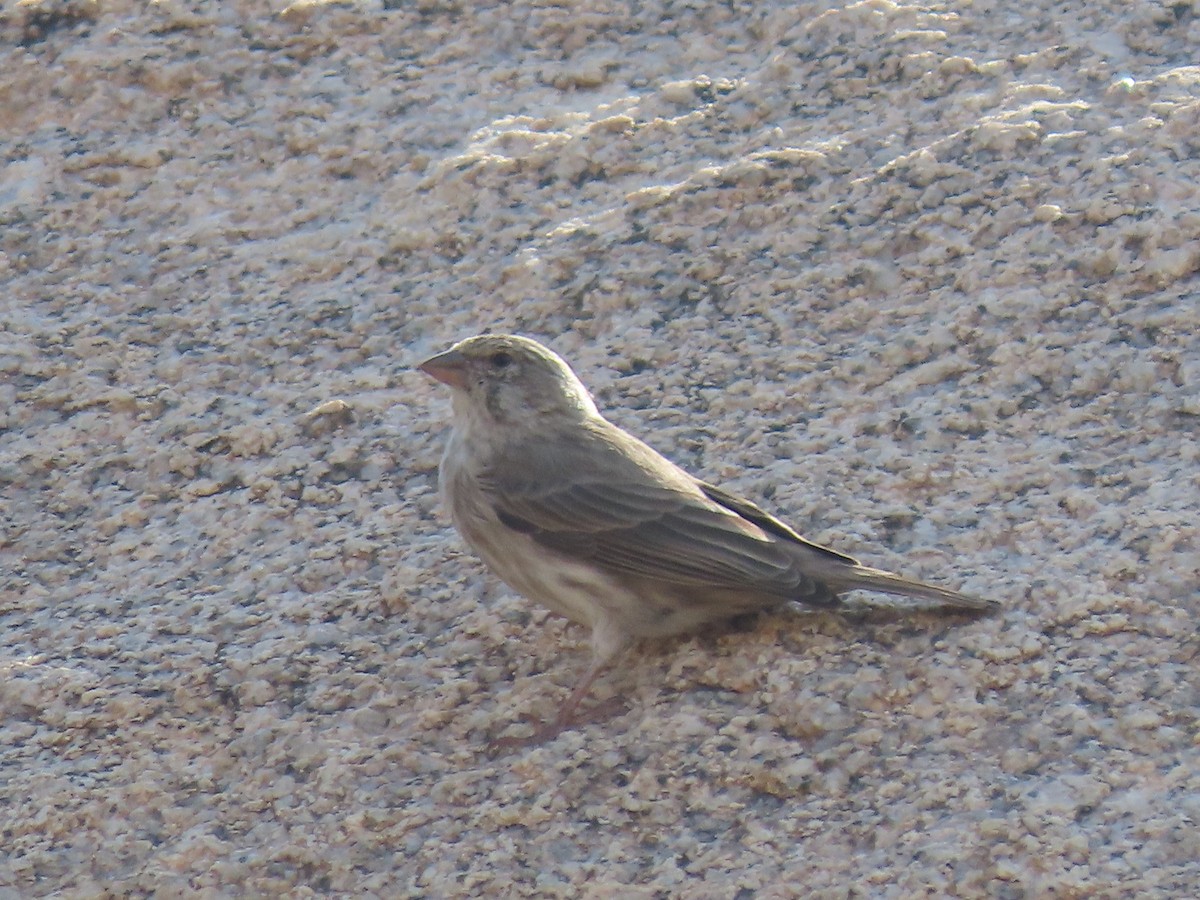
{"x": 583, "y": 593}
{"x": 577, "y": 591}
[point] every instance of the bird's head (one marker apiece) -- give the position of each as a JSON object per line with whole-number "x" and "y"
{"x": 510, "y": 379}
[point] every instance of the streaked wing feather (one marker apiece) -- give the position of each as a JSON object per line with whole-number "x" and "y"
{"x": 604, "y": 496}
{"x": 769, "y": 523}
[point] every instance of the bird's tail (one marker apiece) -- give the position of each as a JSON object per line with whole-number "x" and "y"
{"x": 868, "y": 579}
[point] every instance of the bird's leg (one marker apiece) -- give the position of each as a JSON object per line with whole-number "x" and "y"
{"x": 607, "y": 643}
{"x": 566, "y": 713}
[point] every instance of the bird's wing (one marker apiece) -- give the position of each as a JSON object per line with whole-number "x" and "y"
{"x": 601, "y": 495}
{"x": 769, "y": 523}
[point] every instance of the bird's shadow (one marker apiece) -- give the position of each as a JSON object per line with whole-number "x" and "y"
{"x": 885, "y": 625}
{"x": 853, "y": 621}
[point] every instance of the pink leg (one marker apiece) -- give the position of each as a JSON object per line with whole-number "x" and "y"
{"x": 566, "y": 714}
{"x": 605, "y": 646}
{"x": 565, "y": 719}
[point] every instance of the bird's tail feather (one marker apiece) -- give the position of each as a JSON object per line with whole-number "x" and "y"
{"x": 865, "y": 578}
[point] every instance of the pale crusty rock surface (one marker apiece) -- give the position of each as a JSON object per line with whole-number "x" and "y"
{"x": 924, "y": 278}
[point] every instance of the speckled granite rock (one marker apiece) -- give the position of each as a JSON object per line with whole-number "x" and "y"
{"x": 923, "y": 278}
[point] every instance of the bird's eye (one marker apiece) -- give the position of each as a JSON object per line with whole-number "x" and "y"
{"x": 501, "y": 360}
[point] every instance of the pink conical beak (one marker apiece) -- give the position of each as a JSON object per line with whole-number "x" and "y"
{"x": 448, "y": 368}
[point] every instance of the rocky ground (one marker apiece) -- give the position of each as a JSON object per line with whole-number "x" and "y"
{"x": 923, "y": 278}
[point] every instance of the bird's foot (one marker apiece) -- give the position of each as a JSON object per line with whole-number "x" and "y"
{"x": 548, "y": 731}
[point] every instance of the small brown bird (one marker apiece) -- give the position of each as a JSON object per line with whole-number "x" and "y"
{"x": 573, "y": 512}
